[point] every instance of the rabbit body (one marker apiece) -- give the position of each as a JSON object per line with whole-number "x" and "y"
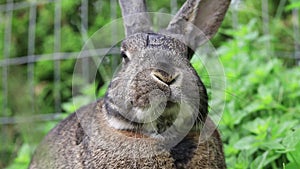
{"x": 115, "y": 132}
{"x": 67, "y": 146}
{"x": 154, "y": 113}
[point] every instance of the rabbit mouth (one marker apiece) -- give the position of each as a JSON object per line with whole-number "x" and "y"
{"x": 160, "y": 118}
{"x": 170, "y": 104}
{"x": 168, "y": 117}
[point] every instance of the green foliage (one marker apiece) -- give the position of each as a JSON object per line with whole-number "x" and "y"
{"x": 21, "y": 161}
{"x": 260, "y": 124}
{"x": 293, "y": 5}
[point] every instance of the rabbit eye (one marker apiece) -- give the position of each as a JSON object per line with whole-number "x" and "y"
{"x": 124, "y": 56}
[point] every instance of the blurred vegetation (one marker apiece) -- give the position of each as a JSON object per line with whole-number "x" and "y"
{"x": 260, "y": 124}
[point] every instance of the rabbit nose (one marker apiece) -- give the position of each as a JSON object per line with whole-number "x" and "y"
{"x": 164, "y": 76}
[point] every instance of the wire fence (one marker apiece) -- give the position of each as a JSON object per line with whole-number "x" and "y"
{"x": 7, "y": 62}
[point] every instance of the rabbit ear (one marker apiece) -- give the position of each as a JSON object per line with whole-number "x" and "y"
{"x": 206, "y": 15}
{"x": 135, "y": 17}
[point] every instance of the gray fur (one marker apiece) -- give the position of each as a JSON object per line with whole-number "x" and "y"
{"x": 152, "y": 115}
{"x": 135, "y": 17}
{"x": 68, "y": 147}
{"x": 199, "y": 20}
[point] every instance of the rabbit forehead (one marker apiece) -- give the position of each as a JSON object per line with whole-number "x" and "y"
{"x": 157, "y": 57}
{"x": 147, "y": 41}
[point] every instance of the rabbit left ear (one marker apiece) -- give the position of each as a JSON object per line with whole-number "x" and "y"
{"x": 204, "y": 15}
{"x": 135, "y": 17}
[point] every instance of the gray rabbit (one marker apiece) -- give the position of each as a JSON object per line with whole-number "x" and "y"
{"x": 155, "y": 108}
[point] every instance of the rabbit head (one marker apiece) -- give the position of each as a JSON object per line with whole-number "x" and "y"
{"x": 156, "y": 83}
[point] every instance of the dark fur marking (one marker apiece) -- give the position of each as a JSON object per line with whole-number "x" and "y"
{"x": 183, "y": 152}
{"x": 79, "y": 134}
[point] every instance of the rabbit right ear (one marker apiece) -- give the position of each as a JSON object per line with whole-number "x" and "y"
{"x": 135, "y": 17}
{"x": 206, "y": 15}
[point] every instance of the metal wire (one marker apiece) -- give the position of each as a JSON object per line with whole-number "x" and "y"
{"x": 31, "y": 49}
{"x": 21, "y": 5}
{"x": 6, "y": 54}
{"x": 84, "y": 34}
{"x": 265, "y": 24}
{"x": 57, "y": 56}
{"x": 295, "y": 14}
{"x": 57, "y": 43}
{"x": 30, "y": 119}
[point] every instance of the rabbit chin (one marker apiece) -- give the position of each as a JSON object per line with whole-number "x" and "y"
{"x": 146, "y": 120}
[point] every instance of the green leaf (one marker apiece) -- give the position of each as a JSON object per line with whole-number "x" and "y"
{"x": 292, "y": 166}
{"x": 258, "y": 126}
{"x": 68, "y": 107}
{"x": 294, "y": 5}
{"x": 291, "y": 140}
{"x": 250, "y": 108}
{"x": 23, "y": 158}
{"x": 246, "y": 143}
{"x": 102, "y": 90}
{"x": 264, "y": 159}
{"x": 294, "y": 156}
{"x": 273, "y": 145}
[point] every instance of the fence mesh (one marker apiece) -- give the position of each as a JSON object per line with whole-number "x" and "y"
{"x": 12, "y": 63}
{"x": 20, "y": 95}
{"x": 8, "y": 61}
